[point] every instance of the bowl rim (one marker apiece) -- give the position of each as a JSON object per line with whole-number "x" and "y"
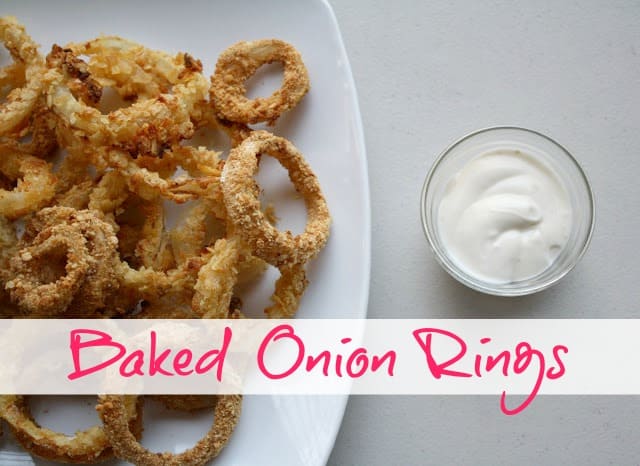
{"x": 493, "y": 289}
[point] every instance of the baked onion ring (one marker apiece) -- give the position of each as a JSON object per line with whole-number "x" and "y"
{"x": 243, "y": 207}
{"x": 216, "y": 279}
{"x": 77, "y": 197}
{"x": 237, "y": 63}
{"x": 20, "y": 101}
{"x": 112, "y": 409}
{"x": 67, "y": 261}
{"x": 88, "y": 446}
{"x": 134, "y": 71}
{"x": 146, "y": 127}
{"x": 40, "y": 131}
{"x": 35, "y": 182}
{"x": 147, "y": 268}
{"x": 41, "y": 290}
{"x": 11, "y": 76}
{"x": 289, "y": 289}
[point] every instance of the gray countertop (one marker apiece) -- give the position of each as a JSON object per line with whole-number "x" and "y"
{"x": 430, "y": 72}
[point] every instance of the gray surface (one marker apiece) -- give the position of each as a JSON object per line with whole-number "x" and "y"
{"x": 429, "y": 72}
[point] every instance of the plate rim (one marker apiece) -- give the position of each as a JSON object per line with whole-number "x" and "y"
{"x": 366, "y": 196}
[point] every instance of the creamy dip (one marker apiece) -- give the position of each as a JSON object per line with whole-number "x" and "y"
{"x": 505, "y": 216}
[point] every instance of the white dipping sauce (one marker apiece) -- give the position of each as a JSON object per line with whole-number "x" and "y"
{"x": 505, "y": 216}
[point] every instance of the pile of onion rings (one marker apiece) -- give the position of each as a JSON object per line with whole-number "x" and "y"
{"x": 84, "y": 188}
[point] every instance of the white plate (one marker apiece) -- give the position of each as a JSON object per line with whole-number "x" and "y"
{"x": 326, "y": 127}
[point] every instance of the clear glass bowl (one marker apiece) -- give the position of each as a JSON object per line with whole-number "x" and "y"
{"x": 566, "y": 167}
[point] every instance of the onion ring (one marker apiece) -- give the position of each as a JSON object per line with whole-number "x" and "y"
{"x": 188, "y": 238}
{"x": 42, "y": 132}
{"x": 216, "y": 279}
{"x": 237, "y": 63}
{"x": 88, "y": 446}
{"x": 146, "y": 127}
{"x": 138, "y": 226}
{"x": 11, "y": 76}
{"x": 37, "y": 289}
{"x": 243, "y": 207}
{"x": 35, "y": 187}
{"x": 128, "y": 67}
{"x": 150, "y": 176}
{"x": 112, "y": 409}
{"x": 149, "y": 184}
{"x": 289, "y": 289}
{"x": 77, "y": 197}
{"x": 147, "y": 268}
{"x": 82, "y": 244}
{"x": 21, "y": 101}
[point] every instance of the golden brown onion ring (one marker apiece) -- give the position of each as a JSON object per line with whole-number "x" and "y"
{"x": 88, "y": 446}
{"x": 21, "y": 101}
{"x": 46, "y": 275}
{"x": 77, "y": 197}
{"x": 146, "y": 127}
{"x": 152, "y": 273}
{"x": 134, "y": 71}
{"x": 41, "y": 131}
{"x": 289, "y": 289}
{"x": 35, "y": 182}
{"x": 139, "y": 227}
{"x": 243, "y": 207}
{"x": 112, "y": 409}
{"x": 216, "y": 279}
{"x": 11, "y": 76}
{"x": 67, "y": 261}
{"x": 237, "y": 63}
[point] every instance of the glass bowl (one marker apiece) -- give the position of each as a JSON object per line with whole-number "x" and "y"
{"x": 547, "y": 150}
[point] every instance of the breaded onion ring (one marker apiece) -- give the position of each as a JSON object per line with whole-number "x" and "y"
{"x": 112, "y": 409}
{"x": 21, "y": 101}
{"x": 103, "y": 280}
{"x": 134, "y": 71}
{"x": 216, "y": 279}
{"x": 88, "y": 446}
{"x": 237, "y": 63}
{"x": 34, "y": 285}
{"x": 35, "y": 182}
{"x": 77, "y": 197}
{"x": 38, "y": 128}
{"x": 42, "y": 133}
{"x": 146, "y": 127}
{"x": 152, "y": 176}
{"x": 149, "y": 184}
{"x": 289, "y": 289}
{"x": 148, "y": 269}
{"x": 204, "y": 116}
{"x": 243, "y": 207}
{"x": 11, "y": 76}
{"x": 188, "y": 238}
{"x": 82, "y": 246}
